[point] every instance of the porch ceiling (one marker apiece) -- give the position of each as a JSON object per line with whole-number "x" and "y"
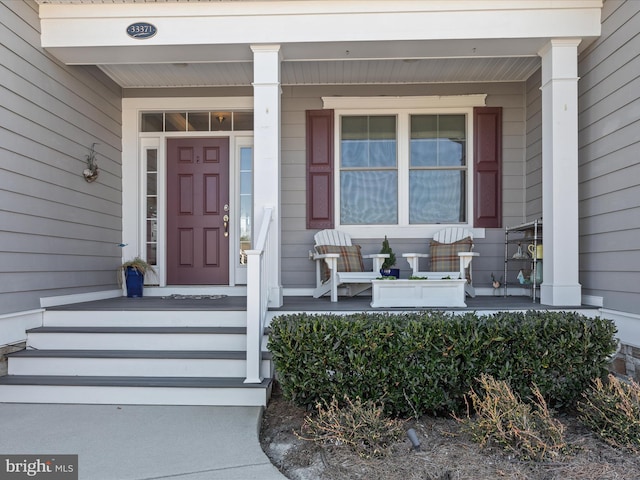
{"x": 205, "y": 43}
{"x": 398, "y": 71}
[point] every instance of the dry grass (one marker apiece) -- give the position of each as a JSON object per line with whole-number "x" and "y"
{"x": 527, "y": 430}
{"x": 447, "y": 453}
{"x": 361, "y": 426}
{"x": 612, "y": 410}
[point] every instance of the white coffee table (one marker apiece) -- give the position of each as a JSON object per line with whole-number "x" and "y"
{"x": 418, "y": 293}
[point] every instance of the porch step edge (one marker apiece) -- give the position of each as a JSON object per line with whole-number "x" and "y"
{"x": 137, "y": 382}
{"x": 168, "y": 354}
{"x": 142, "y": 330}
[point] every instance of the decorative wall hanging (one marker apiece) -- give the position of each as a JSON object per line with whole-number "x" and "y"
{"x": 91, "y": 172}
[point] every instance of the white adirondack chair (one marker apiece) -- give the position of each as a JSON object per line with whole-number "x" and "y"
{"x": 356, "y": 281}
{"x": 447, "y": 236}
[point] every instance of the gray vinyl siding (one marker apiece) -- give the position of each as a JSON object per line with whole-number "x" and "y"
{"x": 58, "y": 233}
{"x": 533, "y": 165}
{"x": 298, "y": 271}
{"x": 609, "y": 141}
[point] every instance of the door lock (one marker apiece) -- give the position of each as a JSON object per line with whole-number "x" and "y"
{"x": 225, "y": 220}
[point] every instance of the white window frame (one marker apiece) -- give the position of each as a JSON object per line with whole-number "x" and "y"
{"x": 240, "y": 270}
{"x": 403, "y": 108}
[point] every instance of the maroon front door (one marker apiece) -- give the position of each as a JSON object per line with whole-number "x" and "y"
{"x": 197, "y": 211}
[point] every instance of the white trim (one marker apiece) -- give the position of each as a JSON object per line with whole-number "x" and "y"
{"x": 408, "y": 103}
{"x": 592, "y": 300}
{"x": 150, "y": 143}
{"x": 81, "y": 11}
{"x": 239, "y": 270}
{"x": 457, "y": 104}
{"x": 134, "y": 176}
{"x": 187, "y": 103}
{"x": 14, "y": 326}
{"x": 95, "y": 33}
{"x": 46, "y": 302}
{"x": 628, "y": 325}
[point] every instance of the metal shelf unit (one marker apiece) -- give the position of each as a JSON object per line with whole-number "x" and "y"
{"x": 529, "y": 233}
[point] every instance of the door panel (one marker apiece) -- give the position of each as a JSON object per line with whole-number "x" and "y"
{"x": 197, "y": 190}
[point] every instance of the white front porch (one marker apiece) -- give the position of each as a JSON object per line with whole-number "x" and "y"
{"x": 166, "y": 351}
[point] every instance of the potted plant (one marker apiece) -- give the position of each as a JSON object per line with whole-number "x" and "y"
{"x": 134, "y": 271}
{"x": 386, "y": 270}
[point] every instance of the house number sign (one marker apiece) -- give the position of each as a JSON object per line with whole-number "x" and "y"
{"x": 141, "y": 30}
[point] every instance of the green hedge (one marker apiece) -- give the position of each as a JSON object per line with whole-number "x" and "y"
{"x": 427, "y": 361}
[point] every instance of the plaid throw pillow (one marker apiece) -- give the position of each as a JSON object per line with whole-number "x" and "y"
{"x": 350, "y": 259}
{"x": 444, "y": 256}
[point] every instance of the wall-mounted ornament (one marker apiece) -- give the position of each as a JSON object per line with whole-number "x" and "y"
{"x": 91, "y": 172}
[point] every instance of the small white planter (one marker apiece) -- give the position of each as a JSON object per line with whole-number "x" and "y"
{"x": 418, "y": 293}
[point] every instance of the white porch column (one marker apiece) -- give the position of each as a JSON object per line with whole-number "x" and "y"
{"x": 266, "y": 155}
{"x": 560, "y": 173}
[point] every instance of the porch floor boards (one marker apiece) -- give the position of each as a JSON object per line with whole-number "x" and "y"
{"x": 302, "y": 304}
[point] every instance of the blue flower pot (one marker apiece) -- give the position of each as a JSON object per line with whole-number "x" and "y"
{"x": 134, "y": 281}
{"x": 390, "y": 272}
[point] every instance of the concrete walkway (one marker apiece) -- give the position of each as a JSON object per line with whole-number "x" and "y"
{"x": 142, "y": 442}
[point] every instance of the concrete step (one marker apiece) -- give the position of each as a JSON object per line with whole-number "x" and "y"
{"x": 134, "y": 363}
{"x": 144, "y": 318}
{"x": 133, "y": 390}
{"x": 138, "y": 338}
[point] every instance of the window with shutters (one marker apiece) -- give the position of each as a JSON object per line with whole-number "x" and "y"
{"x": 412, "y": 169}
{"x": 403, "y": 168}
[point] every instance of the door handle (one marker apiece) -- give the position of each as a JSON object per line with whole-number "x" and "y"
{"x": 225, "y": 220}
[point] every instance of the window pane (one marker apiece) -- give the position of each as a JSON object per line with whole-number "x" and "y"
{"x": 424, "y": 126}
{"x": 424, "y": 152}
{"x": 368, "y": 142}
{"x": 382, "y": 128}
{"x": 246, "y": 202}
{"x": 175, "y": 122}
{"x": 152, "y": 230}
{"x": 198, "y": 121}
{"x": 152, "y": 183}
{"x": 152, "y": 207}
{"x": 369, "y": 197}
{"x": 438, "y": 140}
{"x": 151, "y": 122}
{"x": 152, "y": 254}
{"x": 452, "y": 127}
{"x": 437, "y": 196}
{"x": 246, "y": 159}
{"x": 354, "y": 128}
{"x": 243, "y": 121}
{"x": 220, "y": 121}
{"x": 246, "y": 188}
{"x": 152, "y": 160}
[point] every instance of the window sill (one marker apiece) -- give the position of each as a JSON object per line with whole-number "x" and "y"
{"x": 405, "y": 231}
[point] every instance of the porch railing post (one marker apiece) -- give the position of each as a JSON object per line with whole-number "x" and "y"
{"x": 257, "y": 298}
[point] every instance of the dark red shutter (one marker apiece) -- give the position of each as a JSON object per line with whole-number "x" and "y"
{"x": 319, "y": 169}
{"x": 487, "y": 163}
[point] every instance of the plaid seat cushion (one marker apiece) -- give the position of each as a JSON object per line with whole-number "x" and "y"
{"x": 444, "y": 256}
{"x": 350, "y": 259}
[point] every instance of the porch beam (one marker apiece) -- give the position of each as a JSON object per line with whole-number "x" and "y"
{"x": 560, "y": 285}
{"x": 266, "y": 156}
{"x": 186, "y": 32}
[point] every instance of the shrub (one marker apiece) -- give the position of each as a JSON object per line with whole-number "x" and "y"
{"x": 361, "y": 426}
{"x": 527, "y": 430}
{"x": 612, "y": 410}
{"x": 425, "y": 362}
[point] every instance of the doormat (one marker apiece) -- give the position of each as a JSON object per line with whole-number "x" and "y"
{"x": 177, "y": 296}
